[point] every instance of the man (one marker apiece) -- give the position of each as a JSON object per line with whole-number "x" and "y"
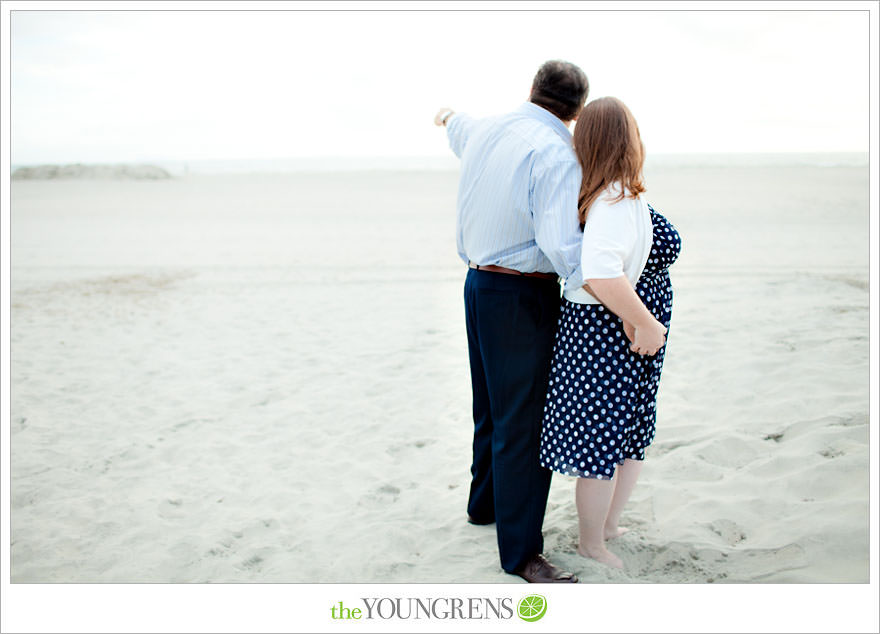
{"x": 517, "y": 230}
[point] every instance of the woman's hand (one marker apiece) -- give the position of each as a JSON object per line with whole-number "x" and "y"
{"x": 630, "y": 331}
{"x": 646, "y": 334}
{"x": 648, "y": 339}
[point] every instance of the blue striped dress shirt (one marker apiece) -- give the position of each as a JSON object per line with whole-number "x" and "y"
{"x": 518, "y": 192}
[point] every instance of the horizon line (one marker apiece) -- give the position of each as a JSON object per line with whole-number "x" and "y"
{"x": 392, "y": 157}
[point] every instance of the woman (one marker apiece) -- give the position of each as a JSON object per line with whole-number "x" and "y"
{"x": 600, "y": 410}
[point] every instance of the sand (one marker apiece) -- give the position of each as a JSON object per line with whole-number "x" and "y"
{"x": 264, "y": 378}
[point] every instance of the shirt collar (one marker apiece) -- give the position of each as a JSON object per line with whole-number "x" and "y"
{"x": 537, "y": 112}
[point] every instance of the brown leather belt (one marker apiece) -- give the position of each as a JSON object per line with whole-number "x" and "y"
{"x": 491, "y": 268}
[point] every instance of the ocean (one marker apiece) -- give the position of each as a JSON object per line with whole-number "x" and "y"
{"x": 450, "y": 162}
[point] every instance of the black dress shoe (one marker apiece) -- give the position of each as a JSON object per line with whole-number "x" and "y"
{"x": 476, "y": 522}
{"x": 539, "y": 570}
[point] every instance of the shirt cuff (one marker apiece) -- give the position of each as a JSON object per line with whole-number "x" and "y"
{"x": 575, "y": 280}
{"x": 450, "y": 122}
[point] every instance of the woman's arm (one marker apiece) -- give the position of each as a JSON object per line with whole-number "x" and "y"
{"x": 619, "y": 297}
{"x": 628, "y": 329}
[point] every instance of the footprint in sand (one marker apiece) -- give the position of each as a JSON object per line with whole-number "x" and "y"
{"x": 418, "y": 444}
{"x": 671, "y": 563}
{"x": 729, "y": 531}
{"x": 385, "y": 494}
{"x": 252, "y": 563}
{"x": 755, "y": 564}
{"x": 661, "y": 448}
{"x": 684, "y": 563}
{"x": 170, "y": 508}
{"x": 257, "y": 531}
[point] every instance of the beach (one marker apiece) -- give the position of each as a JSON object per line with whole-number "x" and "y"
{"x": 263, "y": 377}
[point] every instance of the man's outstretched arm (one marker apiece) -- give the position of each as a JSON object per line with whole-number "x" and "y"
{"x": 458, "y": 128}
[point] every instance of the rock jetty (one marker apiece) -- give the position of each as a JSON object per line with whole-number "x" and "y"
{"x": 81, "y": 171}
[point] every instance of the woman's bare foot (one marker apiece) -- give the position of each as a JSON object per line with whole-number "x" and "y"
{"x": 602, "y": 555}
{"x": 617, "y": 531}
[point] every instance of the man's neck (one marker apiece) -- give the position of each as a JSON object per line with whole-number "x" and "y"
{"x": 565, "y": 122}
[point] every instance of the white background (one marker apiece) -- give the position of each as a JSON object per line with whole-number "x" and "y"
{"x": 758, "y": 82}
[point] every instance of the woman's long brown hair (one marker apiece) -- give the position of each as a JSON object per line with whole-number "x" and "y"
{"x": 609, "y": 149}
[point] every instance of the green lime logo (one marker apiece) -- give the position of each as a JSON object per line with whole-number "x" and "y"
{"x": 532, "y": 608}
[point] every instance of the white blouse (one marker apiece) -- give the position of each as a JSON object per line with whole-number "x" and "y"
{"x": 617, "y": 241}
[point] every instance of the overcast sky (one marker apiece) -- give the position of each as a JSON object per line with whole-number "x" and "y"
{"x": 135, "y": 85}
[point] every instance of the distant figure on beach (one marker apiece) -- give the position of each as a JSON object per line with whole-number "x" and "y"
{"x": 601, "y": 402}
{"x": 517, "y": 230}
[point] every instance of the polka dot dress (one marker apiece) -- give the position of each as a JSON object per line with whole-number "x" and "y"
{"x": 601, "y": 398}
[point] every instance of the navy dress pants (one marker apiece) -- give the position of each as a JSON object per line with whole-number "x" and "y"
{"x": 511, "y": 327}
